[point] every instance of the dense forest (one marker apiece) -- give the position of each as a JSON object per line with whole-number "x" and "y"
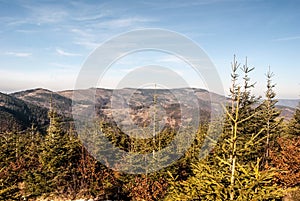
{"x": 256, "y": 157}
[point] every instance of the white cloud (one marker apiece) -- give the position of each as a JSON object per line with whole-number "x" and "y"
{"x": 37, "y": 14}
{"x": 27, "y": 31}
{"x": 91, "y": 11}
{"x": 64, "y": 66}
{"x": 180, "y": 4}
{"x": 123, "y": 22}
{"x": 288, "y": 38}
{"x": 171, "y": 59}
{"x": 87, "y": 44}
{"x": 90, "y": 17}
{"x": 85, "y": 38}
{"x": 94, "y": 33}
{"x": 46, "y": 14}
{"x": 64, "y": 53}
{"x": 19, "y": 54}
{"x": 81, "y": 32}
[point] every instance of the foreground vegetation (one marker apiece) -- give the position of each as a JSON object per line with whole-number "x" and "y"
{"x": 257, "y": 157}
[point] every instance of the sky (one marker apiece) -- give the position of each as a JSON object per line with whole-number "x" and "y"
{"x": 45, "y": 43}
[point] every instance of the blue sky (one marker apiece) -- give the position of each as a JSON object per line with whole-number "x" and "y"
{"x": 45, "y": 43}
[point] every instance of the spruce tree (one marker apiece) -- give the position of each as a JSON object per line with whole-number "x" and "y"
{"x": 9, "y": 167}
{"x": 58, "y": 159}
{"x": 15, "y": 163}
{"x": 232, "y": 170}
{"x": 32, "y": 161}
{"x": 294, "y": 125}
{"x": 269, "y": 119}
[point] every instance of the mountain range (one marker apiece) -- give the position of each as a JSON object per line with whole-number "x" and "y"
{"x": 21, "y": 110}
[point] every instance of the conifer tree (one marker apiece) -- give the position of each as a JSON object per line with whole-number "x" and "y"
{"x": 15, "y": 163}
{"x": 58, "y": 158}
{"x": 269, "y": 118}
{"x": 227, "y": 173}
{"x": 294, "y": 125}
{"x": 9, "y": 167}
{"x": 31, "y": 156}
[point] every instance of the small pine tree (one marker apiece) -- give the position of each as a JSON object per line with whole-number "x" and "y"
{"x": 268, "y": 118}
{"x": 294, "y": 125}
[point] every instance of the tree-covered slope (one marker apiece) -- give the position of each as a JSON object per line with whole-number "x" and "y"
{"x": 43, "y": 98}
{"x": 16, "y": 114}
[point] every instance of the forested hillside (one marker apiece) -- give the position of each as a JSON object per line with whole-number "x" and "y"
{"x": 19, "y": 115}
{"x": 21, "y": 110}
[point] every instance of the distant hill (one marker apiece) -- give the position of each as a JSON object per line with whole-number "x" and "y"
{"x": 130, "y": 104}
{"x": 43, "y": 97}
{"x": 22, "y": 109}
{"x": 286, "y": 112}
{"x": 287, "y": 107}
{"x": 292, "y": 103}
